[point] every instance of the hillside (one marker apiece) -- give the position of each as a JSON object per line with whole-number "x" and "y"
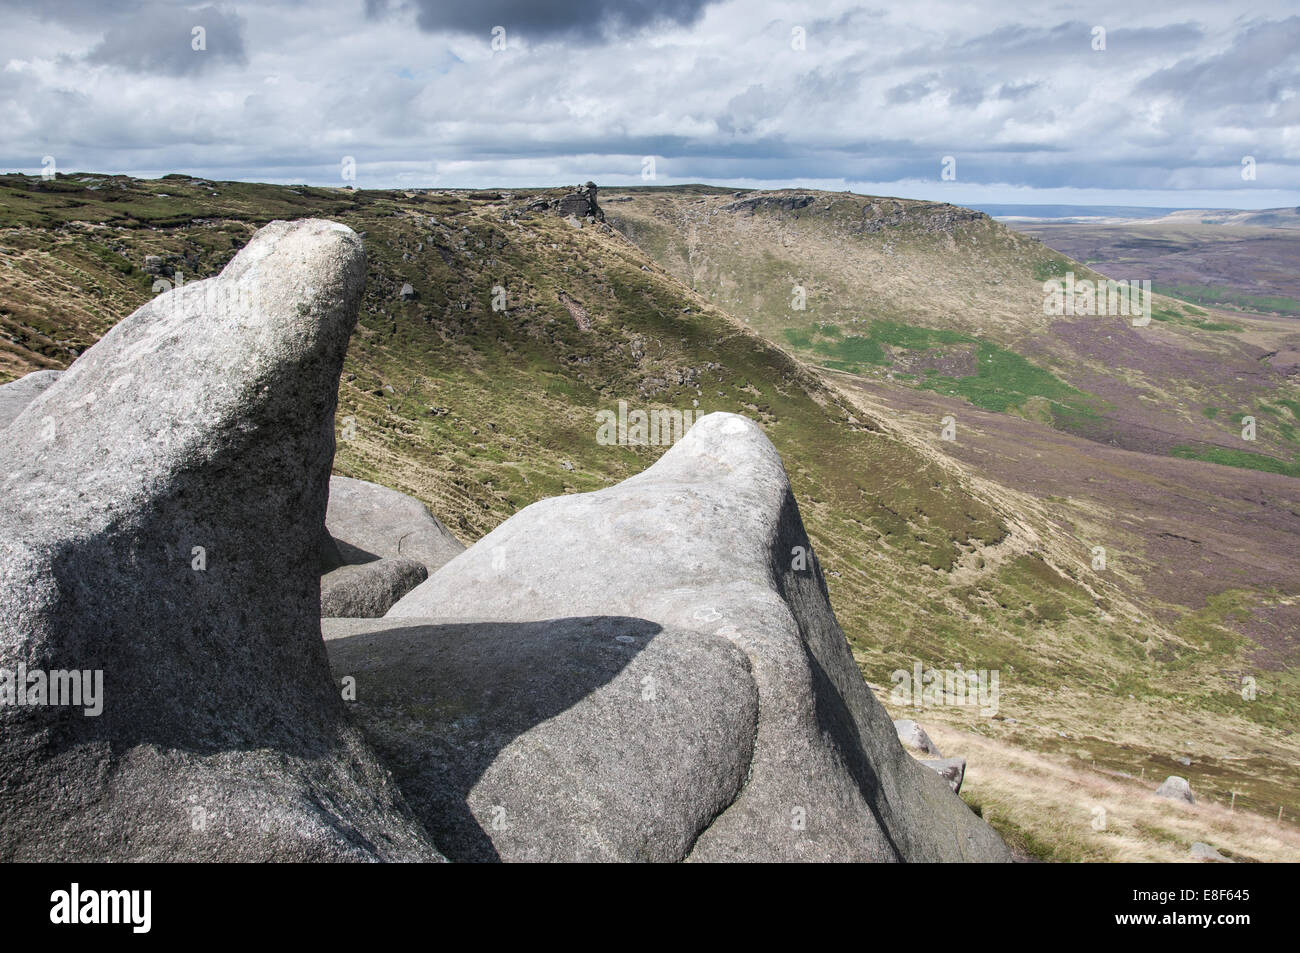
{"x": 1244, "y": 268}
{"x": 931, "y": 554}
{"x": 949, "y": 300}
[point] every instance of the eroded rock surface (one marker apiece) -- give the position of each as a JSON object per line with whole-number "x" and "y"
{"x": 161, "y": 508}
{"x": 709, "y": 540}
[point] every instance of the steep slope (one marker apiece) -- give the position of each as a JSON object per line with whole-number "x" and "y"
{"x": 923, "y": 313}
{"x": 480, "y": 410}
{"x": 946, "y": 299}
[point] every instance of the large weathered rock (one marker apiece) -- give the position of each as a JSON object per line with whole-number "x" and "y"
{"x": 580, "y": 203}
{"x": 709, "y": 539}
{"x": 16, "y": 395}
{"x": 160, "y": 517}
{"x": 575, "y": 739}
{"x": 370, "y": 522}
{"x": 368, "y": 590}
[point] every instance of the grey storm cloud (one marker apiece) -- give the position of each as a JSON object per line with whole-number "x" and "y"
{"x": 76, "y": 15}
{"x": 1262, "y": 63}
{"x": 911, "y": 91}
{"x": 960, "y": 88}
{"x": 1020, "y": 44}
{"x": 544, "y": 19}
{"x": 757, "y": 91}
{"x": 162, "y": 39}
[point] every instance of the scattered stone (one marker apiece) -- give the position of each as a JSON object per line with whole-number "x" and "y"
{"x": 408, "y": 293}
{"x": 1184, "y": 760}
{"x": 1176, "y": 788}
{"x": 163, "y": 533}
{"x": 1206, "y": 853}
{"x": 713, "y": 523}
{"x": 576, "y": 310}
{"x": 913, "y": 736}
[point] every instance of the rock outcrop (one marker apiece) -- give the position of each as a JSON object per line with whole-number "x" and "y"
{"x": 161, "y": 509}
{"x": 780, "y": 202}
{"x": 16, "y": 395}
{"x": 706, "y": 541}
{"x": 579, "y": 205}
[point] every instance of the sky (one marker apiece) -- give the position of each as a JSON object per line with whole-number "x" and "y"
{"x": 1189, "y": 104}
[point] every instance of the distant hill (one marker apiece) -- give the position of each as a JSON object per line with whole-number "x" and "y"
{"x": 1263, "y": 218}
{"x": 1132, "y": 214}
{"x": 1062, "y": 214}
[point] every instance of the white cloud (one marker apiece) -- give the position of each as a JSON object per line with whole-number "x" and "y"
{"x": 715, "y": 92}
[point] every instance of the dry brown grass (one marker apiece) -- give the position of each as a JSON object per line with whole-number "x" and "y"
{"x": 1047, "y": 804}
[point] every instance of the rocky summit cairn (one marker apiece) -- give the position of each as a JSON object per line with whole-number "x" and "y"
{"x": 694, "y": 566}
{"x": 161, "y": 514}
{"x": 580, "y": 205}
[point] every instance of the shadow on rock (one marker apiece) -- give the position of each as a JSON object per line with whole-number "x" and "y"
{"x": 591, "y": 738}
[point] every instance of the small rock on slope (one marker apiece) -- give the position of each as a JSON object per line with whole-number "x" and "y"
{"x": 1176, "y": 788}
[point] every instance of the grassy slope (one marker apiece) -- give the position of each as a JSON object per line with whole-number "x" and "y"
{"x": 478, "y": 412}
{"x": 879, "y": 271}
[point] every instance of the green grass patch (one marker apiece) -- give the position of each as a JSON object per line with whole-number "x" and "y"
{"x": 1051, "y": 268}
{"x": 1231, "y": 298}
{"x": 1242, "y": 459}
{"x": 1003, "y": 380}
{"x": 1173, "y": 316}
